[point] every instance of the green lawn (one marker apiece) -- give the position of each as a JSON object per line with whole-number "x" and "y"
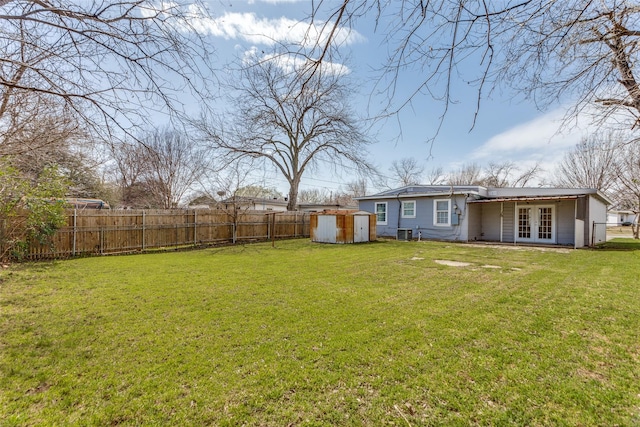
{"x": 313, "y": 334}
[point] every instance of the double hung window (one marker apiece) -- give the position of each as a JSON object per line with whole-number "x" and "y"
{"x": 409, "y": 209}
{"x": 381, "y": 213}
{"x": 442, "y": 212}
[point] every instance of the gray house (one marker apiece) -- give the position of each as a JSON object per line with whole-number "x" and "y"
{"x": 551, "y": 216}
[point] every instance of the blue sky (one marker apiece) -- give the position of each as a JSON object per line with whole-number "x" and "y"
{"x": 508, "y": 127}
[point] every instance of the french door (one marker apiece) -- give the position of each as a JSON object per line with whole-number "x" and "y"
{"x": 536, "y": 224}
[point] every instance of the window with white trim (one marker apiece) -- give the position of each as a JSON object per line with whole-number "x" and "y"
{"x": 409, "y": 209}
{"x": 381, "y": 213}
{"x": 442, "y": 212}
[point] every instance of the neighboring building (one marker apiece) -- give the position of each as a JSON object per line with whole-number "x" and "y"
{"x": 556, "y": 216}
{"x": 83, "y": 203}
{"x": 254, "y": 203}
{"x": 261, "y": 204}
{"x": 618, "y": 217}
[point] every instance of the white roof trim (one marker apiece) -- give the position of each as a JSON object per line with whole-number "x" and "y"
{"x": 416, "y": 195}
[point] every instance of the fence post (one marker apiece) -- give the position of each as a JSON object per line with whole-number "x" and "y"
{"x": 143, "y": 228}
{"x": 75, "y": 223}
{"x": 195, "y": 220}
{"x": 273, "y": 232}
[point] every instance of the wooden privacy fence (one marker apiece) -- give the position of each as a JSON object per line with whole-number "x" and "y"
{"x": 120, "y": 231}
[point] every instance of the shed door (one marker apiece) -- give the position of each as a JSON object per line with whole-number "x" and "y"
{"x": 326, "y": 232}
{"x": 360, "y": 228}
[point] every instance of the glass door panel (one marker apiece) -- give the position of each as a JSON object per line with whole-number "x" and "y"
{"x": 524, "y": 223}
{"x": 545, "y": 223}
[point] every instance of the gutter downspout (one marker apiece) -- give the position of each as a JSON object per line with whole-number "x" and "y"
{"x": 575, "y": 218}
{"x": 399, "y": 208}
{"x": 399, "y": 211}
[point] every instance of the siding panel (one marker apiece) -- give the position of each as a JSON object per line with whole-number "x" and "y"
{"x": 565, "y": 225}
{"x": 508, "y": 222}
{"x": 491, "y": 222}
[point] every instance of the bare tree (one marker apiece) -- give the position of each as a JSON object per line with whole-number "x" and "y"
{"x": 525, "y": 177}
{"x": 507, "y": 174}
{"x": 344, "y": 196}
{"x": 294, "y": 118}
{"x": 174, "y": 164}
{"x": 32, "y": 124}
{"x": 313, "y": 195}
{"x": 406, "y": 171}
{"x": 357, "y": 188}
{"x": 436, "y": 176}
{"x": 497, "y": 174}
{"x": 628, "y": 182}
{"x": 550, "y": 50}
{"x": 109, "y": 64}
{"x": 160, "y": 171}
{"x": 35, "y": 134}
{"x": 468, "y": 174}
{"x": 129, "y": 169}
{"x": 591, "y": 164}
{"x": 258, "y": 191}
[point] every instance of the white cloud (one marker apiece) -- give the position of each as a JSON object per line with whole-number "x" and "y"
{"x": 543, "y": 140}
{"x": 289, "y": 63}
{"x": 263, "y": 31}
{"x": 539, "y": 137}
{"x": 275, "y": 1}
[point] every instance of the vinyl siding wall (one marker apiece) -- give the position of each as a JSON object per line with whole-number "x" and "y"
{"x": 423, "y": 222}
{"x": 474, "y": 219}
{"x": 597, "y": 214}
{"x": 565, "y": 225}
{"x": 491, "y": 222}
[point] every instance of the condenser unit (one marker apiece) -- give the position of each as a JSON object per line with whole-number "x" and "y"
{"x": 405, "y": 234}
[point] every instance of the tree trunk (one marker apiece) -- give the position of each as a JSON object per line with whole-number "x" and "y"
{"x": 635, "y": 225}
{"x": 293, "y": 193}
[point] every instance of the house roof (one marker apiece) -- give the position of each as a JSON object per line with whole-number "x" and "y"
{"x": 249, "y": 200}
{"x": 413, "y": 191}
{"x": 487, "y": 195}
{"x": 621, "y": 211}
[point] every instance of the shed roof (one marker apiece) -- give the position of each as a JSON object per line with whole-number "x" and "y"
{"x": 341, "y": 212}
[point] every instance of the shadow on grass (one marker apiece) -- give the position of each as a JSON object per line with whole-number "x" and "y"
{"x": 620, "y": 245}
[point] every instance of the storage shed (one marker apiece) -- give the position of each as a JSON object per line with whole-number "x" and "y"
{"x": 343, "y": 226}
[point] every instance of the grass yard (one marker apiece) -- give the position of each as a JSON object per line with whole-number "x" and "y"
{"x": 311, "y": 334}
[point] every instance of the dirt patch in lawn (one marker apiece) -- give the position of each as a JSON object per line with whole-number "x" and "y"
{"x": 452, "y": 263}
{"x": 462, "y": 264}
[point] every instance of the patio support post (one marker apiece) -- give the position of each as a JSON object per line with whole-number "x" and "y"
{"x": 575, "y": 217}
{"x": 516, "y": 224}
{"x": 143, "y": 229}
{"x": 501, "y": 221}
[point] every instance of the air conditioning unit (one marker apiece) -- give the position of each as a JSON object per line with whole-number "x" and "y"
{"x": 405, "y": 234}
